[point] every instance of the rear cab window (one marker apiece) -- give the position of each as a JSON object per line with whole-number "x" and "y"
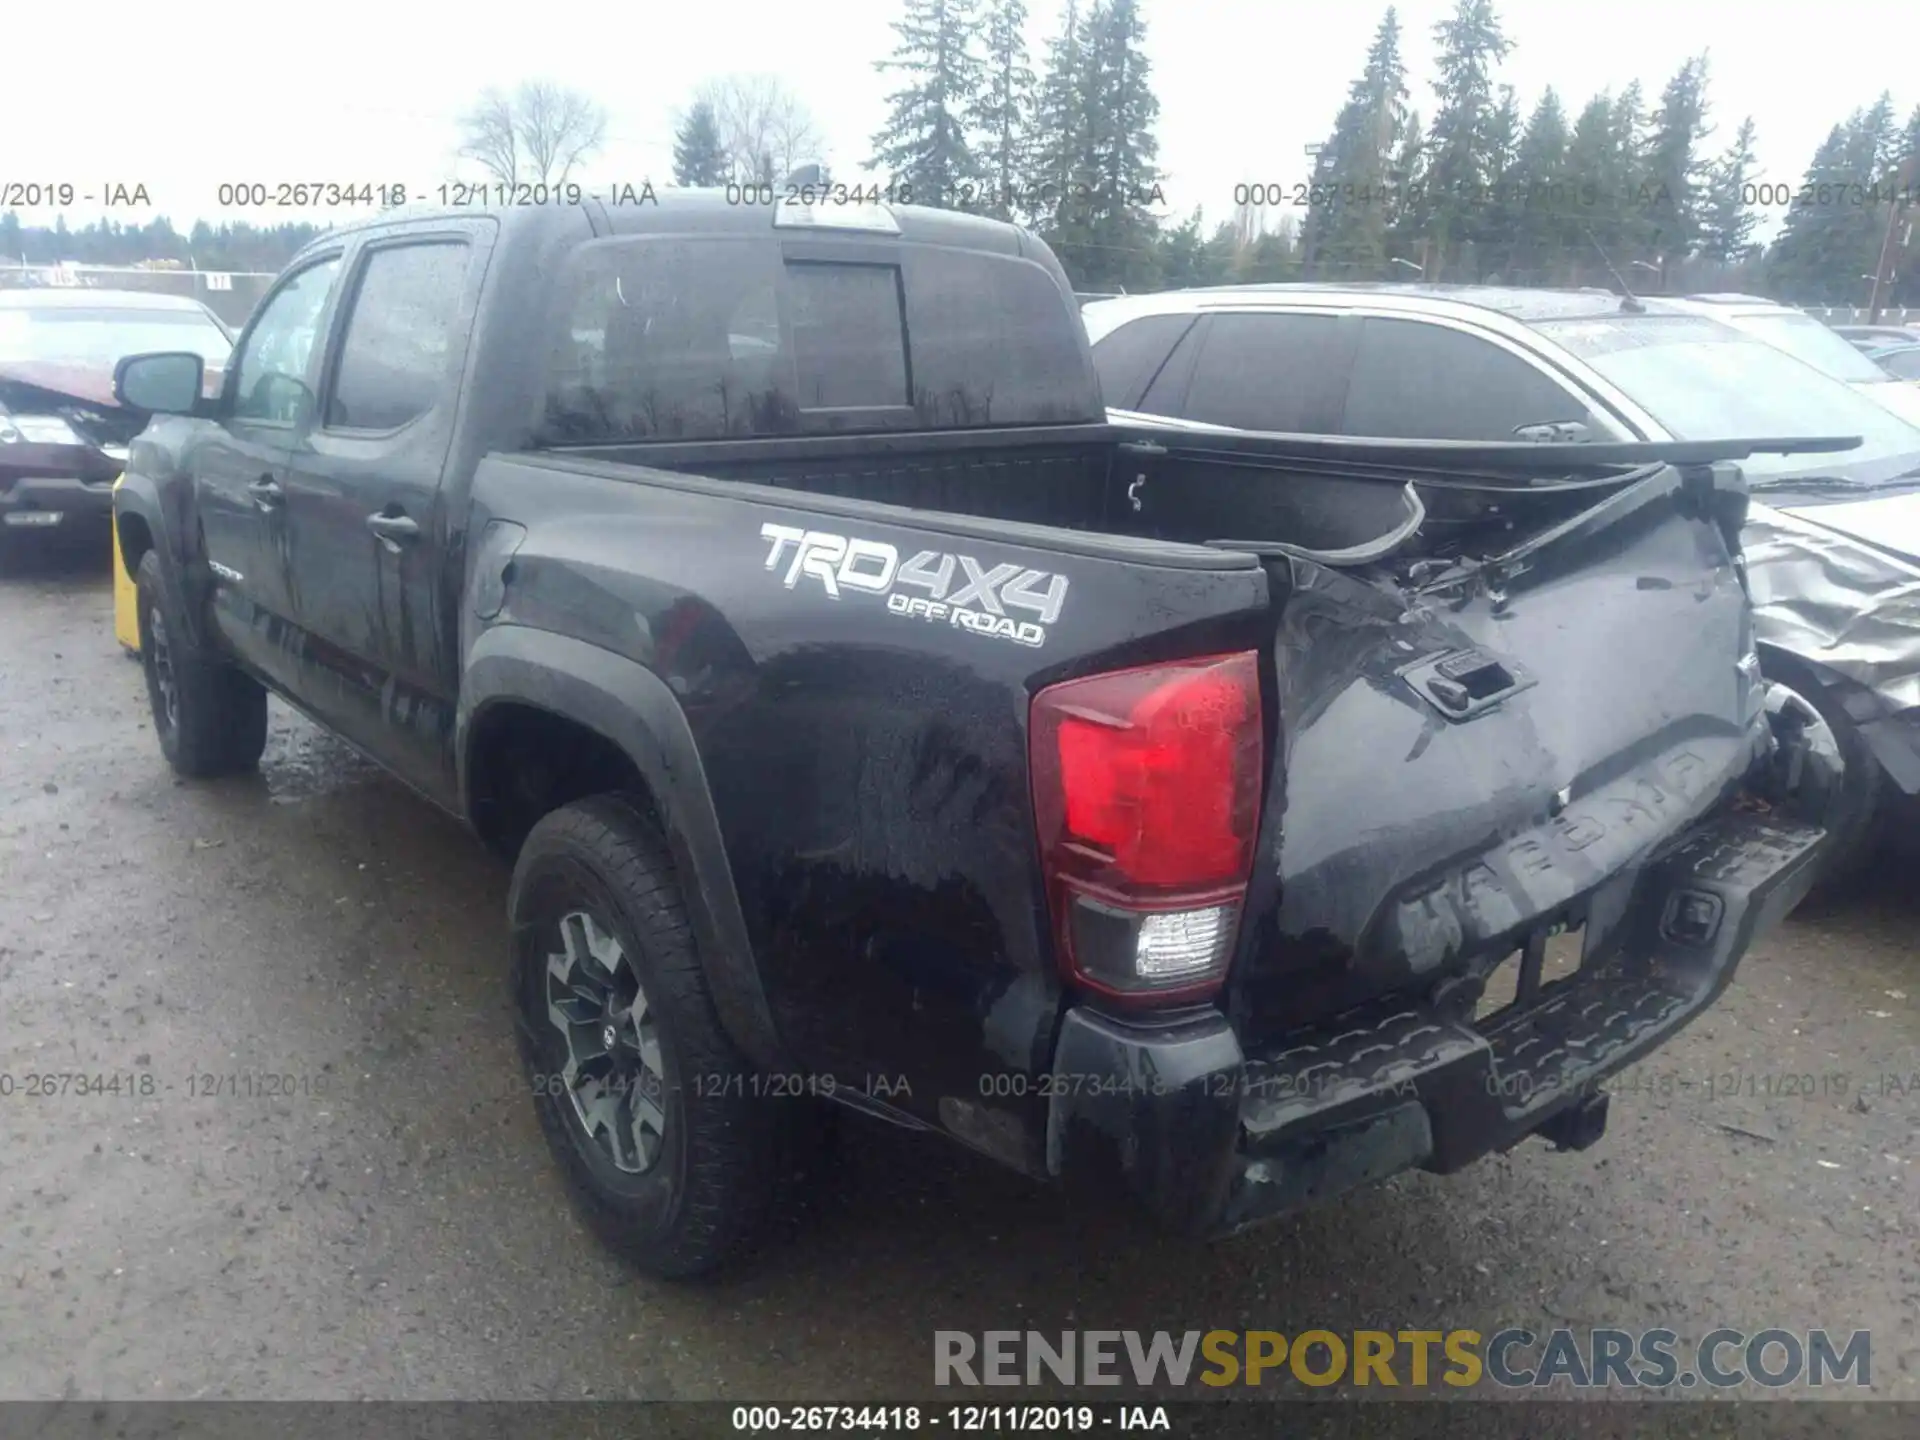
{"x": 849, "y": 335}
{"x": 722, "y": 337}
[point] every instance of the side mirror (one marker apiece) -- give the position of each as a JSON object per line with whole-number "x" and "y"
{"x": 167, "y": 383}
{"x": 1555, "y": 432}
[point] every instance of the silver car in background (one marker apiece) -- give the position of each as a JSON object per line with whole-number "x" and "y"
{"x": 1832, "y": 541}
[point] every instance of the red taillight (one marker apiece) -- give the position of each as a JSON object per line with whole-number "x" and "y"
{"x": 1146, "y": 787}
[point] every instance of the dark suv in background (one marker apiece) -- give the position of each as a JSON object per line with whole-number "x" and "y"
{"x": 1832, "y": 549}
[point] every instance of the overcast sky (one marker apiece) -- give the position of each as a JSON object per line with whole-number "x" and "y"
{"x": 364, "y": 92}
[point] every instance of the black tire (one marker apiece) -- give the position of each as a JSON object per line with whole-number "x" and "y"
{"x": 703, "y": 1200}
{"x": 210, "y": 717}
{"x": 1854, "y": 811}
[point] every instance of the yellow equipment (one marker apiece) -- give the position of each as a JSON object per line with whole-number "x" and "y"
{"x": 126, "y": 607}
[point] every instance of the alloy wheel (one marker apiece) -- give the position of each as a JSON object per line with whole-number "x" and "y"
{"x": 163, "y": 676}
{"x": 613, "y": 1073}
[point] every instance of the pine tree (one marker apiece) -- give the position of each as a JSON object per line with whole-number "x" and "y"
{"x": 1873, "y": 158}
{"x": 1830, "y": 243}
{"x": 1003, "y": 114}
{"x": 699, "y": 157}
{"x": 1673, "y": 184}
{"x": 1459, "y": 165}
{"x": 1592, "y": 189}
{"x": 1406, "y": 181}
{"x": 1268, "y": 260}
{"x": 1121, "y": 178}
{"x": 1727, "y": 219}
{"x": 1349, "y": 207}
{"x": 1627, "y": 230}
{"x": 1905, "y": 181}
{"x": 923, "y": 147}
{"x": 1183, "y": 254}
{"x": 1541, "y": 193}
{"x": 1802, "y": 257}
{"x": 1058, "y": 154}
{"x": 1497, "y": 228}
{"x": 1216, "y": 257}
{"x": 1322, "y": 183}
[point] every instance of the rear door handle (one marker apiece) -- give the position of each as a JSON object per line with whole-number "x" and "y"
{"x": 396, "y": 530}
{"x": 266, "y": 492}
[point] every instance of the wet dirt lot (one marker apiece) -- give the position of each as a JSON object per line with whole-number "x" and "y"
{"x": 391, "y": 1227}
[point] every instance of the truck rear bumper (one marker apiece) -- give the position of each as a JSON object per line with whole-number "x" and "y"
{"x": 1213, "y": 1140}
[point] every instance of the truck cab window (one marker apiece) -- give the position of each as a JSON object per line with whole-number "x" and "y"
{"x": 394, "y": 359}
{"x": 849, "y": 345}
{"x": 271, "y": 374}
{"x": 1417, "y": 381}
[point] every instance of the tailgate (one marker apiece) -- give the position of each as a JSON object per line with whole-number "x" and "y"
{"x": 1467, "y": 761}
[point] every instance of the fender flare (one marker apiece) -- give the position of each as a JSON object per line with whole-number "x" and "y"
{"x": 632, "y": 707}
{"x": 139, "y": 497}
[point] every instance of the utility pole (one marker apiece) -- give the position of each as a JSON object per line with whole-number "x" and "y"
{"x": 1882, "y": 279}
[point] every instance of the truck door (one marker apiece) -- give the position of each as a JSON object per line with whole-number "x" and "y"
{"x": 367, "y": 545}
{"x": 239, "y": 463}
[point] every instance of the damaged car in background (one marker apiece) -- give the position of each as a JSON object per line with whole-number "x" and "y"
{"x": 63, "y": 435}
{"x": 1832, "y": 540}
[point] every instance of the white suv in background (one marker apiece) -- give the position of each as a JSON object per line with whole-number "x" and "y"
{"x": 1812, "y": 343}
{"x": 1832, "y": 540}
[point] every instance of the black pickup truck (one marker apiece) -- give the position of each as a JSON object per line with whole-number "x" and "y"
{"x": 866, "y": 716}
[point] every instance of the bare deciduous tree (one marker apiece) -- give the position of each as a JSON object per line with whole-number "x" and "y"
{"x": 765, "y": 129}
{"x": 537, "y": 135}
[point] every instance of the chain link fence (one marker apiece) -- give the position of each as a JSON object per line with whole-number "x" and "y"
{"x": 1889, "y": 315}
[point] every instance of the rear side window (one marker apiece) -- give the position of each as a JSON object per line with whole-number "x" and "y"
{"x": 849, "y": 341}
{"x": 395, "y": 358}
{"x": 1128, "y": 358}
{"x": 1266, "y": 372}
{"x": 1414, "y": 381}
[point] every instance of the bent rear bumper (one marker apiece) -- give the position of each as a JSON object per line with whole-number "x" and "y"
{"x": 1212, "y": 1140}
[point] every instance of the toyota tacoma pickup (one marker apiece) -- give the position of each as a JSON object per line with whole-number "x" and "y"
{"x": 868, "y": 716}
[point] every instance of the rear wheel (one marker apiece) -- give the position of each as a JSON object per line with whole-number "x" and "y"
{"x": 211, "y": 718}
{"x": 670, "y": 1154}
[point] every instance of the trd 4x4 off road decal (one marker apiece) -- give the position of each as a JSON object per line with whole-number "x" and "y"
{"x": 954, "y": 589}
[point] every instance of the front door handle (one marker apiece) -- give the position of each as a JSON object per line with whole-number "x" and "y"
{"x": 396, "y": 530}
{"x": 266, "y": 492}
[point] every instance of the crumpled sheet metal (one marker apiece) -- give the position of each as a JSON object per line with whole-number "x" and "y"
{"x": 1836, "y": 602}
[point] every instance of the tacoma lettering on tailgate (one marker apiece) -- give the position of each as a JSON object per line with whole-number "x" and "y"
{"x": 954, "y": 590}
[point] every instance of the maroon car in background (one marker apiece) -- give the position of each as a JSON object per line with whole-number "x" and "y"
{"x": 63, "y": 437}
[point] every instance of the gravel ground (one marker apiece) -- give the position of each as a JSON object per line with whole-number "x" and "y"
{"x": 393, "y": 1229}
